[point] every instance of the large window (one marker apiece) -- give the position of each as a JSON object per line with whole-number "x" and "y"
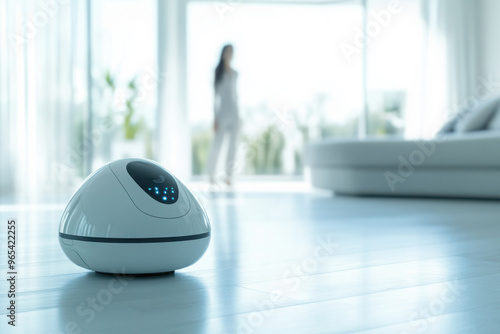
{"x": 82, "y": 88}
{"x": 294, "y": 82}
{"x": 393, "y": 67}
{"x": 124, "y": 79}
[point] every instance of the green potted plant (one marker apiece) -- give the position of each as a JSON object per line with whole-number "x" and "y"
{"x": 131, "y": 137}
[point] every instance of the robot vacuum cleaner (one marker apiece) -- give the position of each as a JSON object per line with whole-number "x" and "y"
{"x": 132, "y": 216}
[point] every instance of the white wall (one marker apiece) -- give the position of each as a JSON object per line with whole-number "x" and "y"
{"x": 174, "y": 139}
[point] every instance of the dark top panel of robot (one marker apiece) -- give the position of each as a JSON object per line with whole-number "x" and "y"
{"x": 155, "y": 181}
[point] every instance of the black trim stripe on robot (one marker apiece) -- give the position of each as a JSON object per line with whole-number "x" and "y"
{"x": 134, "y": 240}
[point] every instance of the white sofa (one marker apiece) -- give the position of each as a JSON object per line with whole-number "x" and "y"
{"x": 463, "y": 162}
{"x": 455, "y": 166}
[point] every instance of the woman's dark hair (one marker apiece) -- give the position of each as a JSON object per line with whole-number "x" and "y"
{"x": 219, "y": 70}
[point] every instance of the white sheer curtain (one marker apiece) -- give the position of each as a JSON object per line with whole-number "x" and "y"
{"x": 450, "y": 60}
{"x": 7, "y": 133}
{"x": 42, "y": 98}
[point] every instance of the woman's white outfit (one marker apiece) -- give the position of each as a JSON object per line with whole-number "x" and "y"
{"x": 228, "y": 122}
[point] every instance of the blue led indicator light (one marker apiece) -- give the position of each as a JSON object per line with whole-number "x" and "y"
{"x": 164, "y": 198}
{"x": 172, "y": 198}
{"x": 149, "y": 189}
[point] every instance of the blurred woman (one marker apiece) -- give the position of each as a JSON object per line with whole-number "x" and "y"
{"x": 226, "y": 114}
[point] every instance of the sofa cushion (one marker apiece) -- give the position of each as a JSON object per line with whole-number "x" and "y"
{"x": 479, "y": 116}
{"x": 495, "y": 122}
{"x": 475, "y": 150}
{"x": 449, "y": 127}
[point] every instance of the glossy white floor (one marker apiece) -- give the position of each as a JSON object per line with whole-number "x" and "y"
{"x": 295, "y": 262}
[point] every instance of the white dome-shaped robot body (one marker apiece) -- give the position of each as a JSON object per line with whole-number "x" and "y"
{"x": 132, "y": 216}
